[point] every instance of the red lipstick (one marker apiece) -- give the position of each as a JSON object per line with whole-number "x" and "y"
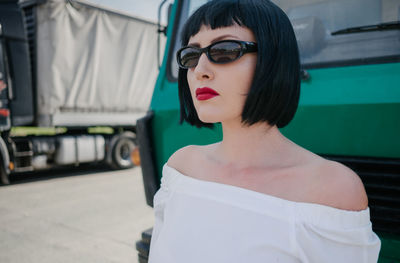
{"x": 205, "y": 93}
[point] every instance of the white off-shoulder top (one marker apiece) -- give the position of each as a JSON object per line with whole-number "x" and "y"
{"x": 199, "y": 221}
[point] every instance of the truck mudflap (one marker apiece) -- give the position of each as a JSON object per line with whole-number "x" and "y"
{"x": 145, "y": 142}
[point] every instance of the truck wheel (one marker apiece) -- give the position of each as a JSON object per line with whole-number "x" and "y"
{"x": 122, "y": 149}
{"x": 3, "y": 176}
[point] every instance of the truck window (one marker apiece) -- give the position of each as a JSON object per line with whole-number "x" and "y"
{"x": 3, "y": 86}
{"x": 314, "y": 21}
{"x": 186, "y": 9}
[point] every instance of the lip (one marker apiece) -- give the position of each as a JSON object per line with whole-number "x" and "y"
{"x": 205, "y": 93}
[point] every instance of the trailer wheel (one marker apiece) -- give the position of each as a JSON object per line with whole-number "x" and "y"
{"x": 122, "y": 149}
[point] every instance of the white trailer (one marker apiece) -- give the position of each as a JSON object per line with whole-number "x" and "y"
{"x": 69, "y": 66}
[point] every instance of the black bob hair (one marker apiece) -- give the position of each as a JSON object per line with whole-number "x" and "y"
{"x": 274, "y": 93}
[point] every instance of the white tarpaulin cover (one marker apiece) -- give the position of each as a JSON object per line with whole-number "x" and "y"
{"x": 95, "y": 66}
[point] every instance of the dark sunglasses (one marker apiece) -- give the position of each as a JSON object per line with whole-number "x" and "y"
{"x": 220, "y": 52}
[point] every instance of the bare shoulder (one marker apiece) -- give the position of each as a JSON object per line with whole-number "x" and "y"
{"x": 186, "y": 159}
{"x": 340, "y": 187}
{"x": 181, "y": 156}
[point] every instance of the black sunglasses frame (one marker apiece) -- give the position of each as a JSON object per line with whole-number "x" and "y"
{"x": 245, "y": 47}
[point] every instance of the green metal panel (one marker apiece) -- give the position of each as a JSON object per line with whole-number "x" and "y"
{"x": 350, "y": 111}
{"x": 352, "y": 130}
{"x": 389, "y": 248}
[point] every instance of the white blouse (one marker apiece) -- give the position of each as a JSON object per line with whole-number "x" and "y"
{"x": 202, "y": 221}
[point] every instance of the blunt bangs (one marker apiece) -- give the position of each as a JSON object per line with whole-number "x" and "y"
{"x": 274, "y": 93}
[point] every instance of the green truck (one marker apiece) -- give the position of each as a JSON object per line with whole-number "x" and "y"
{"x": 349, "y": 105}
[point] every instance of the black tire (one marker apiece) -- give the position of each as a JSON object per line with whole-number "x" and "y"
{"x": 3, "y": 175}
{"x": 121, "y": 150}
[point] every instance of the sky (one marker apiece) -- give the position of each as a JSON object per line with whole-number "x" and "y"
{"x": 147, "y": 9}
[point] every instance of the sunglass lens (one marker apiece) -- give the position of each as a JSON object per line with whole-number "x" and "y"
{"x": 189, "y": 57}
{"x": 225, "y": 52}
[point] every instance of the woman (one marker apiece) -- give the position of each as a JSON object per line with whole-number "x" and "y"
{"x": 255, "y": 196}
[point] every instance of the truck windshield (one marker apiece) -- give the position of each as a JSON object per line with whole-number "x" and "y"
{"x": 314, "y": 21}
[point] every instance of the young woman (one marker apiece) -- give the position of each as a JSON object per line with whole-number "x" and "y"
{"x": 255, "y": 196}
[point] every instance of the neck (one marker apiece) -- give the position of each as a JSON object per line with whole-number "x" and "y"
{"x": 257, "y": 145}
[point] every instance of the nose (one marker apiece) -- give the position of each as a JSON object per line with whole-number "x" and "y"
{"x": 203, "y": 69}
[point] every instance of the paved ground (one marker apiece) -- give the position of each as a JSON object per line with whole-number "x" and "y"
{"x": 78, "y": 216}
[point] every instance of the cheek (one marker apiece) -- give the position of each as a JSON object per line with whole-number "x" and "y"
{"x": 190, "y": 80}
{"x": 244, "y": 76}
{"x": 251, "y": 68}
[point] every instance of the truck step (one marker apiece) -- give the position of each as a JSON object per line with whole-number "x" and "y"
{"x": 143, "y": 246}
{"x": 23, "y": 154}
{"x": 22, "y": 145}
{"x": 143, "y": 250}
{"x": 23, "y": 163}
{"x": 23, "y": 169}
{"x": 143, "y": 259}
{"x": 146, "y": 236}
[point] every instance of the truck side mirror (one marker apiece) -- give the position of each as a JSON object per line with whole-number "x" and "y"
{"x": 162, "y": 29}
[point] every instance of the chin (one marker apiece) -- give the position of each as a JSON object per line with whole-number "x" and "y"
{"x": 208, "y": 115}
{"x": 216, "y": 118}
{"x": 208, "y": 119}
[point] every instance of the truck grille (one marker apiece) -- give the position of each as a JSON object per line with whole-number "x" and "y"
{"x": 381, "y": 178}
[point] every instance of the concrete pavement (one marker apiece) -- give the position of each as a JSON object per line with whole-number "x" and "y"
{"x": 79, "y": 217}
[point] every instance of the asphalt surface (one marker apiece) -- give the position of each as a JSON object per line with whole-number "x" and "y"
{"x": 83, "y": 215}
